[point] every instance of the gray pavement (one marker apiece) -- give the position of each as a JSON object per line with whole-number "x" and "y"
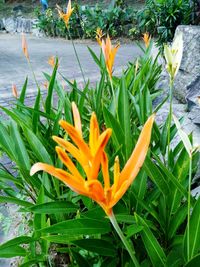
{"x": 14, "y": 67}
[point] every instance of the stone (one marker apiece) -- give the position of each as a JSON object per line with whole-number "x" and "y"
{"x": 192, "y": 100}
{"x": 9, "y": 24}
{"x": 2, "y": 27}
{"x": 190, "y": 65}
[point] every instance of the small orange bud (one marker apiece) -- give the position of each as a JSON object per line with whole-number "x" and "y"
{"x": 24, "y": 47}
{"x": 14, "y": 90}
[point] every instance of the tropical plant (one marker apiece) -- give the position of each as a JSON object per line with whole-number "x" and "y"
{"x": 158, "y": 216}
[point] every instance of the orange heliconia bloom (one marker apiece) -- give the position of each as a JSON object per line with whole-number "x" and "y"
{"x": 109, "y": 53}
{"x": 25, "y": 47}
{"x": 146, "y": 38}
{"x": 99, "y": 36}
{"x": 65, "y": 16}
{"x": 91, "y": 157}
{"x": 51, "y": 61}
{"x": 14, "y": 90}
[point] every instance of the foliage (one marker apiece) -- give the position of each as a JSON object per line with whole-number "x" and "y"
{"x": 161, "y": 17}
{"x": 152, "y": 214}
{"x": 84, "y": 22}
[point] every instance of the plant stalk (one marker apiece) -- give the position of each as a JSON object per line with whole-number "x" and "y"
{"x": 170, "y": 116}
{"x": 189, "y": 206}
{"x": 123, "y": 239}
{"x": 76, "y": 54}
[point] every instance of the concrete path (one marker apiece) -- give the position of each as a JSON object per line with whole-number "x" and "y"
{"x": 14, "y": 67}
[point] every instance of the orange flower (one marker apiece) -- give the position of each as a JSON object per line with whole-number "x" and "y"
{"x": 99, "y": 36}
{"x": 65, "y": 16}
{"x": 14, "y": 90}
{"x": 109, "y": 53}
{"x": 146, "y": 38}
{"x": 51, "y": 61}
{"x": 91, "y": 157}
{"x": 25, "y": 47}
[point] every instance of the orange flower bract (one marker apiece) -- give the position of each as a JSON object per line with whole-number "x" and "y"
{"x": 109, "y": 53}
{"x": 146, "y": 38}
{"x": 25, "y": 47}
{"x": 65, "y": 16}
{"x": 92, "y": 157}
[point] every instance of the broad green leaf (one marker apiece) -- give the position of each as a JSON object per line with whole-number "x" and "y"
{"x": 23, "y": 92}
{"x": 16, "y": 241}
{"x": 54, "y": 207}
{"x": 6, "y": 142}
{"x": 80, "y": 260}
{"x": 133, "y": 229}
{"x": 36, "y": 114}
{"x": 194, "y": 262}
{"x": 61, "y": 239}
{"x": 5, "y": 199}
{"x": 37, "y": 146}
{"x": 156, "y": 175}
{"x": 177, "y": 219}
{"x": 20, "y": 152}
{"x": 154, "y": 250}
{"x": 11, "y": 252}
{"x": 48, "y": 101}
{"x": 117, "y": 133}
{"x": 33, "y": 261}
{"x": 124, "y": 117}
{"x": 194, "y": 232}
{"x": 98, "y": 246}
{"x": 79, "y": 227}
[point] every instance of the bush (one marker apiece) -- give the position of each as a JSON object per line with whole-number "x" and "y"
{"x": 153, "y": 214}
{"x": 161, "y": 17}
{"x": 84, "y": 23}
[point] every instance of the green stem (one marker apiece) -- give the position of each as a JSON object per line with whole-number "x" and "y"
{"x": 76, "y": 54}
{"x": 123, "y": 239}
{"x": 188, "y": 211}
{"x": 114, "y": 96}
{"x": 170, "y": 116}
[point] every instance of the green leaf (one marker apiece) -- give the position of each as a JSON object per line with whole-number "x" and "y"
{"x": 21, "y": 154}
{"x": 98, "y": 246}
{"x": 194, "y": 232}
{"x": 11, "y": 252}
{"x": 124, "y": 117}
{"x": 155, "y": 251}
{"x": 61, "y": 239}
{"x": 36, "y": 114}
{"x": 23, "y": 92}
{"x": 194, "y": 262}
{"x": 37, "y": 146}
{"x": 95, "y": 58}
{"x": 156, "y": 175}
{"x": 16, "y": 241}
{"x": 80, "y": 260}
{"x": 117, "y": 133}
{"x": 50, "y": 89}
{"x": 5, "y": 199}
{"x": 79, "y": 227}
{"x": 54, "y": 207}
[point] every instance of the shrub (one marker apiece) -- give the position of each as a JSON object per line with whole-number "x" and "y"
{"x": 161, "y": 17}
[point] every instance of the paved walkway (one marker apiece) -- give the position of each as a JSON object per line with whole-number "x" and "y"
{"x": 14, "y": 68}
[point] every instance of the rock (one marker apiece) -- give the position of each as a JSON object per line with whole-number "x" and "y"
{"x": 192, "y": 100}
{"x": 9, "y": 25}
{"x": 2, "y": 27}
{"x": 190, "y": 65}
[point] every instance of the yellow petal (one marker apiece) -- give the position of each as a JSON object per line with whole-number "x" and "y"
{"x": 94, "y": 133}
{"x": 103, "y": 140}
{"x": 106, "y": 177}
{"x": 68, "y": 163}
{"x": 77, "y": 139}
{"x": 65, "y": 177}
{"x": 71, "y": 149}
{"x": 95, "y": 189}
{"x": 77, "y": 118}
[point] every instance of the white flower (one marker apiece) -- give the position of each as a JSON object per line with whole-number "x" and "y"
{"x": 173, "y": 55}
